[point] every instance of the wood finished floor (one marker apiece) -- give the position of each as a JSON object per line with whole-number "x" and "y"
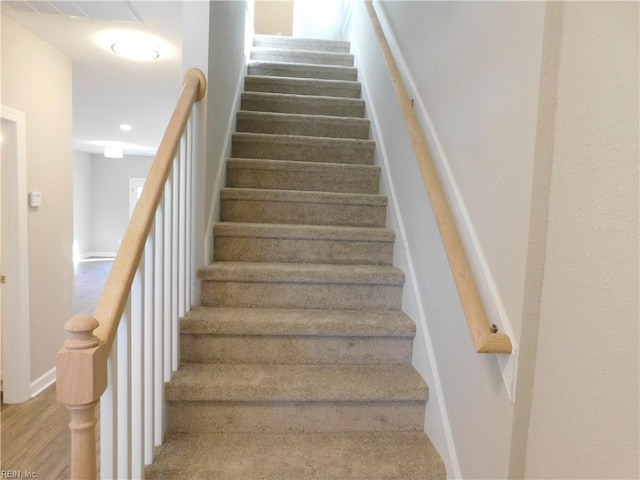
{"x": 34, "y": 435}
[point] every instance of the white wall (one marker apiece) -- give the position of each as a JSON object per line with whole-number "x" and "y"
{"x": 585, "y": 405}
{"x": 222, "y": 59}
{"x": 36, "y": 79}
{"x": 494, "y": 190}
{"x": 318, "y": 19}
{"x": 82, "y": 202}
{"x": 110, "y": 198}
{"x": 273, "y": 17}
{"x": 520, "y": 136}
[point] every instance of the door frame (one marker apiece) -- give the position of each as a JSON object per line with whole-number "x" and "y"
{"x": 15, "y": 323}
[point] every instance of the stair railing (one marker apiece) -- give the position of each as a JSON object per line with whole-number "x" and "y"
{"x": 484, "y": 336}
{"x": 124, "y": 353}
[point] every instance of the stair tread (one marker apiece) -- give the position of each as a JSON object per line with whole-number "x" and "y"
{"x": 301, "y": 51}
{"x": 279, "y": 138}
{"x": 302, "y": 117}
{"x": 299, "y": 165}
{"x": 303, "y": 56}
{"x": 300, "y": 196}
{"x": 301, "y": 80}
{"x": 283, "y": 41}
{"x": 318, "y": 383}
{"x": 302, "y": 273}
{"x": 290, "y": 322}
{"x": 292, "y": 97}
{"x": 311, "y": 125}
{"x": 316, "y": 232}
{"x": 328, "y": 456}
{"x": 301, "y": 70}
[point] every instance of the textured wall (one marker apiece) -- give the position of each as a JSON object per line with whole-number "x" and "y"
{"x": 36, "y": 79}
{"x": 476, "y": 69}
{"x": 584, "y": 412}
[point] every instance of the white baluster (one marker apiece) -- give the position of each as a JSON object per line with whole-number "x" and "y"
{"x": 109, "y": 419}
{"x": 158, "y": 321}
{"x": 137, "y": 373}
{"x": 182, "y": 218}
{"x": 168, "y": 273}
{"x": 189, "y": 197}
{"x": 149, "y": 346}
{"x": 123, "y": 445}
{"x": 174, "y": 265}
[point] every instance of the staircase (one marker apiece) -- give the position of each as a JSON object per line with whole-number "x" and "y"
{"x": 298, "y": 363}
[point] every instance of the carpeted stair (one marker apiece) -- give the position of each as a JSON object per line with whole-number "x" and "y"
{"x": 297, "y": 365}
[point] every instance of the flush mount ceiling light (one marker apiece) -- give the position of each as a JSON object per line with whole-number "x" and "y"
{"x": 134, "y": 45}
{"x": 134, "y": 50}
{"x": 125, "y": 127}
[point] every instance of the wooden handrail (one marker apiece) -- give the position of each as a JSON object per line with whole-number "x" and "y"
{"x": 82, "y": 363}
{"x": 484, "y": 340}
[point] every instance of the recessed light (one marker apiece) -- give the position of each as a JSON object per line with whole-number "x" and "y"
{"x": 125, "y": 127}
{"x": 132, "y": 50}
{"x": 113, "y": 152}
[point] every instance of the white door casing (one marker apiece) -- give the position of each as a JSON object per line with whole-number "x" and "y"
{"x": 135, "y": 189}
{"x": 15, "y": 320}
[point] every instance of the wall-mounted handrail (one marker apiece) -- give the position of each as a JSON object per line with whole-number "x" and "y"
{"x": 484, "y": 340}
{"x": 83, "y": 362}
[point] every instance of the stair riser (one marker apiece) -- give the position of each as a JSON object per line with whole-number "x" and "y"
{"x": 301, "y": 56}
{"x": 295, "y": 416}
{"x": 332, "y": 152}
{"x": 303, "y": 71}
{"x": 312, "y": 127}
{"x": 349, "y": 90}
{"x": 340, "y": 214}
{"x": 303, "y": 105}
{"x": 284, "y": 250}
{"x": 301, "y": 295}
{"x": 295, "y": 349}
{"x": 301, "y": 180}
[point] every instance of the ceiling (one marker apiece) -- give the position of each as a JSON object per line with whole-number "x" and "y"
{"x": 109, "y": 90}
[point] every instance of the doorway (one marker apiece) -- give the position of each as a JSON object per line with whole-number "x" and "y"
{"x": 15, "y": 355}
{"x": 135, "y": 190}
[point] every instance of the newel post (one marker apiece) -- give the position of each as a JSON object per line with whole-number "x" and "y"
{"x": 81, "y": 380}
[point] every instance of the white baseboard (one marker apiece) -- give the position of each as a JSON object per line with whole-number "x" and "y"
{"x": 84, "y": 256}
{"x": 220, "y": 174}
{"x": 40, "y": 384}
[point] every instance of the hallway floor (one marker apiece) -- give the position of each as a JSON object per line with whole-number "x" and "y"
{"x": 35, "y": 436}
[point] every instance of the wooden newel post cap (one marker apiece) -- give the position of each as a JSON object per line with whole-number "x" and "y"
{"x": 81, "y": 328}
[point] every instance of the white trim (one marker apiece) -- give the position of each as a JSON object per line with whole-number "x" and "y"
{"x": 105, "y": 255}
{"x": 435, "y": 384}
{"x": 220, "y": 174}
{"x": 136, "y": 184}
{"x": 488, "y": 290}
{"x": 42, "y": 382}
{"x": 16, "y": 345}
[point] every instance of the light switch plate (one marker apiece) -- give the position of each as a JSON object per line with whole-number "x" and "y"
{"x": 35, "y": 199}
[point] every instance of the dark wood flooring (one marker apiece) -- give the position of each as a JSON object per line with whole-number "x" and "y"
{"x": 34, "y": 435}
